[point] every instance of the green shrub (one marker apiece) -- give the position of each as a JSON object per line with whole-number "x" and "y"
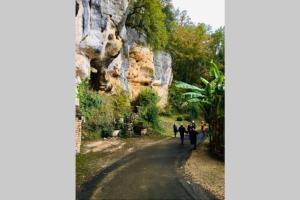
{"x": 175, "y": 100}
{"x": 106, "y": 128}
{"x": 146, "y": 97}
{"x": 89, "y": 136}
{"x": 88, "y": 99}
{"x": 193, "y": 110}
{"x": 165, "y": 113}
{"x": 123, "y": 132}
{"x": 110, "y": 115}
{"x": 188, "y": 118}
{"x": 148, "y": 113}
{"x": 101, "y": 119}
{"x": 99, "y": 124}
{"x": 121, "y": 103}
{"x": 179, "y": 118}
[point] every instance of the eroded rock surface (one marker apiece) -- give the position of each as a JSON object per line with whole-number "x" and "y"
{"x": 140, "y": 70}
{"x": 98, "y": 41}
{"x": 113, "y": 55}
{"x": 163, "y": 75}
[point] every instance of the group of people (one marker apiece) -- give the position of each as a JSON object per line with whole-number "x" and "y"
{"x": 191, "y": 130}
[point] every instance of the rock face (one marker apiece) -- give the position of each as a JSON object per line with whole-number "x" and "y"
{"x": 163, "y": 75}
{"x": 113, "y": 55}
{"x": 140, "y": 69}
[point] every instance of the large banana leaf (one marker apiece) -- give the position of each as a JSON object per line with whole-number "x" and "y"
{"x": 193, "y": 100}
{"x": 193, "y": 95}
{"x": 187, "y": 86}
{"x": 196, "y": 100}
{"x": 214, "y": 70}
{"x": 204, "y": 81}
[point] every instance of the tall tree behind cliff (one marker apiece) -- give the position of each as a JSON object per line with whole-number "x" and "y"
{"x": 193, "y": 46}
{"x": 218, "y": 46}
{"x": 190, "y": 49}
{"x": 148, "y": 18}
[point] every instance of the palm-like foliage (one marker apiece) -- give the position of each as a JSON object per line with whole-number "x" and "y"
{"x": 212, "y": 102}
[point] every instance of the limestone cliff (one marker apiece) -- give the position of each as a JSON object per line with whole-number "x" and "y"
{"x": 112, "y": 54}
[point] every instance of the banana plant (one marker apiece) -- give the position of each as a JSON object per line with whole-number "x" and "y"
{"x": 210, "y": 95}
{"x": 210, "y": 98}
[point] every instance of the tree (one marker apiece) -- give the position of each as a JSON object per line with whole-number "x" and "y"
{"x": 148, "y": 18}
{"x": 218, "y": 46}
{"x": 212, "y": 102}
{"x": 191, "y": 52}
{"x": 169, "y": 11}
{"x": 182, "y": 18}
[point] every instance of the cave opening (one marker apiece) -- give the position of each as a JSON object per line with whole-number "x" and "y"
{"x": 95, "y": 74}
{"x": 99, "y": 78}
{"x": 76, "y": 9}
{"x": 94, "y": 81}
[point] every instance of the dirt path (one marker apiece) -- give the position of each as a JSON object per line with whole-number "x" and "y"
{"x": 151, "y": 173}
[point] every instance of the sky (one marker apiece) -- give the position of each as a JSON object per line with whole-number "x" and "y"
{"x": 210, "y": 12}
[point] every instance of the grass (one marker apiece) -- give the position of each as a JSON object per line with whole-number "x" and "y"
{"x": 167, "y": 122}
{"x": 87, "y": 164}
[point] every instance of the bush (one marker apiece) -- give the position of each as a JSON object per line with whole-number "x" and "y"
{"x": 89, "y": 136}
{"x": 166, "y": 113}
{"x": 188, "y": 118}
{"x": 88, "y": 99}
{"x": 99, "y": 124}
{"x": 193, "y": 110}
{"x": 175, "y": 100}
{"x": 108, "y": 116}
{"x": 123, "y": 132}
{"x": 146, "y": 97}
{"x": 148, "y": 114}
{"x": 106, "y": 128}
{"x": 121, "y": 103}
{"x": 179, "y": 118}
{"x": 101, "y": 119}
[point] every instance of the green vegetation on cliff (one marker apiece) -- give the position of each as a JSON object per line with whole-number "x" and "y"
{"x": 148, "y": 18}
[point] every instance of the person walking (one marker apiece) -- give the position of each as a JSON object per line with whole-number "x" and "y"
{"x": 175, "y": 129}
{"x": 193, "y": 125}
{"x": 189, "y": 129}
{"x": 194, "y": 137}
{"x": 182, "y": 131}
{"x": 202, "y": 129}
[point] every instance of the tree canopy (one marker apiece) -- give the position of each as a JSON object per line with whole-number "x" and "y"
{"x": 148, "y": 18}
{"x": 190, "y": 50}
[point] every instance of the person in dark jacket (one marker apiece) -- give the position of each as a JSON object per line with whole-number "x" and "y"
{"x": 194, "y": 137}
{"x": 189, "y": 129}
{"x": 182, "y": 131}
{"x": 175, "y": 129}
{"x": 193, "y": 125}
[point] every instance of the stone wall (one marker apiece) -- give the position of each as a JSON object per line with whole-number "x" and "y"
{"x": 78, "y": 134}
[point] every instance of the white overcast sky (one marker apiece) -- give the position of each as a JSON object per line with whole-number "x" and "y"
{"x": 210, "y": 12}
